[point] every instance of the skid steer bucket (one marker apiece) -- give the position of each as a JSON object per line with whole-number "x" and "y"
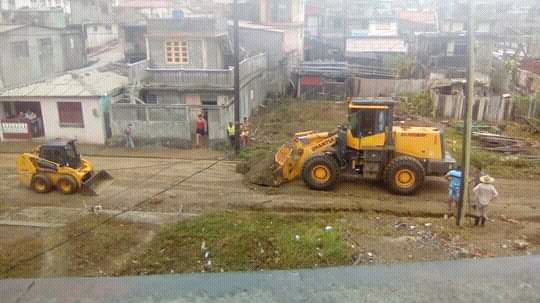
{"x": 96, "y": 183}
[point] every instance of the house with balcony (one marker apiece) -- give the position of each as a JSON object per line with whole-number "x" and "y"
{"x": 188, "y": 71}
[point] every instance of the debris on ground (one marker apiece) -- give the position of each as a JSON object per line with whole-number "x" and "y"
{"x": 477, "y": 126}
{"x": 533, "y": 124}
{"x": 520, "y": 244}
{"x": 499, "y": 143}
{"x": 259, "y": 169}
{"x": 508, "y": 220}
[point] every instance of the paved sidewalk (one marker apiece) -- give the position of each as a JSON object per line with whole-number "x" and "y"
{"x": 468, "y": 281}
{"x": 107, "y": 151}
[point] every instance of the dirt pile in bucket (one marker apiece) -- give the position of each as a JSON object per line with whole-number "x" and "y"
{"x": 259, "y": 169}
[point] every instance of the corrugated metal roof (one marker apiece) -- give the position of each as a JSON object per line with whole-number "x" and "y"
{"x": 71, "y": 85}
{"x": 8, "y": 27}
{"x": 376, "y": 45}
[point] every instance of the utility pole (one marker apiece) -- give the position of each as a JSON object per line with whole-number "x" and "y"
{"x": 236, "y": 79}
{"x": 467, "y": 135}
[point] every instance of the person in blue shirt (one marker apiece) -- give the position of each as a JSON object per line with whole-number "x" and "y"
{"x": 454, "y": 186}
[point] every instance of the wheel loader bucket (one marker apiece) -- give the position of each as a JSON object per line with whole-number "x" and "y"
{"x": 284, "y": 162}
{"x": 94, "y": 185}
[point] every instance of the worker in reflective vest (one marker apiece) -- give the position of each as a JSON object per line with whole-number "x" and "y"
{"x": 231, "y": 131}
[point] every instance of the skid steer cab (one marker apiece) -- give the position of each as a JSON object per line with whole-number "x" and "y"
{"x": 370, "y": 146}
{"x": 58, "y": 165}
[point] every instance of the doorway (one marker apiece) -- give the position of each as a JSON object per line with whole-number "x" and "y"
{"x": 23, "y": 111}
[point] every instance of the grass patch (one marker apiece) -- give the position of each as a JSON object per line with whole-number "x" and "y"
{"x": 245, "y": 241}
{"x": 496, "y": 164}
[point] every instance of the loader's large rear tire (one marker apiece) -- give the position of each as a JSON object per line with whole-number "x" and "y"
{"x": 67, "y": 185}
{"x": 320, "y": 172}
{"x": 41, "y": 183}
{"x": 404, "y": 175}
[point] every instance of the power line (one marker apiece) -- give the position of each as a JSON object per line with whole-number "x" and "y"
{"x": 109, "y": 219}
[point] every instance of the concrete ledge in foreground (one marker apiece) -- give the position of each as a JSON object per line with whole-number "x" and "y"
{"x": 489, "y": 280}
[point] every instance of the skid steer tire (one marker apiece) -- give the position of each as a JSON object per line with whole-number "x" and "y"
{"x": 41, "y": 184}
{"x": 320, "y": 172}
{"x": 404, "y": 175}
{"x": 67, "y": 185}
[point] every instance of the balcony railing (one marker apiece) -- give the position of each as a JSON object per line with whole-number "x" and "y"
{"x": 191, "y": 77}
{"x": 194, "y": 77}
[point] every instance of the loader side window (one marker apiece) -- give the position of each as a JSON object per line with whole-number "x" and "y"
{"x": 54, "y": 155}
{"x": 368, "y": 122}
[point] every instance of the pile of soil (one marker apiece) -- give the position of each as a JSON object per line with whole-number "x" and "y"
{"x": 259, "y": 169}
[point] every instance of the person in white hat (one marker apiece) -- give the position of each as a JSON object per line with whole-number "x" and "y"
{"x": 485, "y": 192}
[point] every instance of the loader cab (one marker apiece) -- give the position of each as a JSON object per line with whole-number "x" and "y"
{"x": 370, "y": 123}
{"x": 63, "y": 153}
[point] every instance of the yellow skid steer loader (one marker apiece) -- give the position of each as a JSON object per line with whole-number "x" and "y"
{"x": 58, "y": 164}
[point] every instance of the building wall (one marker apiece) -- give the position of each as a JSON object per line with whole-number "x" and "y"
{"x": 294, "y": 41}
{"x": 74, "y": 51}
{"x": 17, "y": 4}
{"x": 94, "y": 127}
{"x": 269, "y": 42}
{"x": 91, "y": 11}
{"x": 100, "y": 34}
{"x": 168, "y": 125}
{"x": 19, "y": 70}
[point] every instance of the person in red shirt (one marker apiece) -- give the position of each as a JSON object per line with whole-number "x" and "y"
{"x": 200, "y": 126}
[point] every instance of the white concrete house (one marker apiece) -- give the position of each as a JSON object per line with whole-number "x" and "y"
{"x": 73, "y": 106}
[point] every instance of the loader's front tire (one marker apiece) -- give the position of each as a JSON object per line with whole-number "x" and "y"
{"x": 404, "y": 175}
{"x": 66, "y": 185}
{"x": 41, "y": 184}
{"x": 320, "y": 172}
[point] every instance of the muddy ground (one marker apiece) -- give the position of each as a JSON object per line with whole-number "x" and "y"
{"x": 197, "y": 186}
{"x": 216, "y": 185}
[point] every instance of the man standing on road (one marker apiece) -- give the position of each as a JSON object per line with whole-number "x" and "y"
{"x": 454, "y": 186}
{"x": 485, "y": 192}
{"x": 129, "y": 137}
{"x": 231, "y": 133}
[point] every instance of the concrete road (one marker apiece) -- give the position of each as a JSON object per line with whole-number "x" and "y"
{"x": 489, "y": 280}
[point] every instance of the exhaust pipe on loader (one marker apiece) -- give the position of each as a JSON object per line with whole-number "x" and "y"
{"x": 96, "y": 183}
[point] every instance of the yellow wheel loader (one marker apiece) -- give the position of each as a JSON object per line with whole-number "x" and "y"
{"x": 58, "y": 164}
{"x": 370, "y": 147}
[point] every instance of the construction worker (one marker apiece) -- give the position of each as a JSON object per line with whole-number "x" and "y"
{"x": 454, "y": 187}
{"x": 485, "y": 192}
{"x": 231, "y": 132}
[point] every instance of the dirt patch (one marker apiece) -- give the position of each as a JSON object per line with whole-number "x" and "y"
{"x": 21, "y": 245}
{"x": 259, "y": 169}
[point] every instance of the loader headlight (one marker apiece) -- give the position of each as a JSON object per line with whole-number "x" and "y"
{"x": 300, "y": 151}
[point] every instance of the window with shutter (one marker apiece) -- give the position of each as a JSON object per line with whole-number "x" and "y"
{"x": 70, "y": 114}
